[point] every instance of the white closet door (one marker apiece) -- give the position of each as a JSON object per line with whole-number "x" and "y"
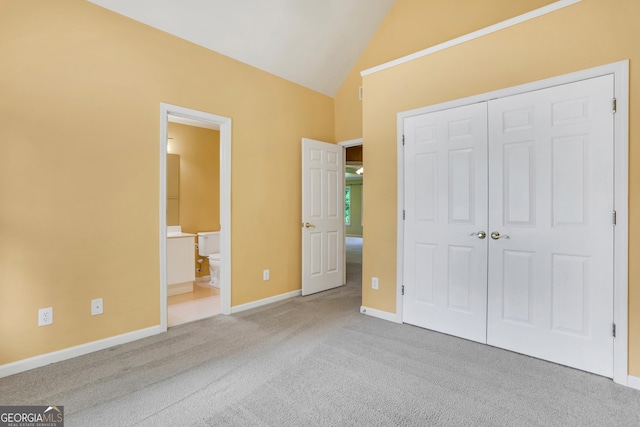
{"x": 445, "y": 268}
{"x": 551, "y": 171}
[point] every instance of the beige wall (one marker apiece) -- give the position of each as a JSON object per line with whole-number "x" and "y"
{"x": 79, "y": 171}
{"x": 584, "y": 35}
{"x": 199, "y": 151}
{"x": 355, "y": 228}
{"x": 413, "y": 25}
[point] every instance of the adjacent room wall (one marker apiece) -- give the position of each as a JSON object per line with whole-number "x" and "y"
{"x": 199, "y": 151}
{"x": 80, "y": 177}
{"x": 584, "y": 35}
{"x": 355, "y": 228}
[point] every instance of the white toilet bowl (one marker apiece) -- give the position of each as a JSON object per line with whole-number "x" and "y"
{"x": 209, "y": 246}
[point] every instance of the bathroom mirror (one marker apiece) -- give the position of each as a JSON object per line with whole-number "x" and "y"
{"x": 173, "y": 189}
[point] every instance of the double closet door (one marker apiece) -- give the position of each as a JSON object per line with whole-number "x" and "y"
{"x": 508, "y": 235}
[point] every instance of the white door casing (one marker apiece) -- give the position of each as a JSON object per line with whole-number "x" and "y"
{"x": 551, "y": 199}
{"x": 551, "y": 177}
{"x": 445, "y": 253}
{"x": 322, "y": 216}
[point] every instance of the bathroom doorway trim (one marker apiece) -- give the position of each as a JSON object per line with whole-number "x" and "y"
{"x": 225, "y": 201}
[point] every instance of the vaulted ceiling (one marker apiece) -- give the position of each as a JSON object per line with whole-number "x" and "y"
{"x": 314, "y": 43}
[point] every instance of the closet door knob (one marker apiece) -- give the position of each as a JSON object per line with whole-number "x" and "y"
{"x": 495, "y": 236}
{"x": 479, "y": 234}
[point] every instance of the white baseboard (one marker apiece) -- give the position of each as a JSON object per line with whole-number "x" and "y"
{"x": 384, "y": 315}
{"x": 265, "y": 301}
{"x": 633, "y": 382}
{"x": 79, "y": 350}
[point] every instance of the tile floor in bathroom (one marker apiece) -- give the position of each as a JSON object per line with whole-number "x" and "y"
{"x": 203, "y": 302}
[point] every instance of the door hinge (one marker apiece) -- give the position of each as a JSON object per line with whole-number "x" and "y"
{"x": 614, "y": 105}
{"x": 402, "y": 139}
{"x": 402, "y": 289}
{"x": 614, "y": 330}
{"x": 404, "y": 215}
{"x": 614, "y": 217}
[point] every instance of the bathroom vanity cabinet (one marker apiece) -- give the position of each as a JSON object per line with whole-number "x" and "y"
{"x": 180, "y": 263}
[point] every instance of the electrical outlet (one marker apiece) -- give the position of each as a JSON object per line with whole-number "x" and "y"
{"x": 96, "y": 306}
{"x": 374, "y": 282}
{"x": 265, "y": 275}
{"x": 45, "y": 316}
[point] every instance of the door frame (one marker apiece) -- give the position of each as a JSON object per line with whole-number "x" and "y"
{"x": 225, "y": 201}
{"x": 620, "y": 71}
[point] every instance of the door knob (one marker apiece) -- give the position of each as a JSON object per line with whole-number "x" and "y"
{"x": 307, "y": 225}
{"x": 479, "y": 234}
{"x": 495, "y": 236}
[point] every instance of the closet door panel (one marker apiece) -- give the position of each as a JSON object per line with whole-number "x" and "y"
{"x": 445, "y": 263}
{"x": 550, "y": 287}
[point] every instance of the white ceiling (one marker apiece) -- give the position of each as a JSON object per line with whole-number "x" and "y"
{"x": 314, "y": 43}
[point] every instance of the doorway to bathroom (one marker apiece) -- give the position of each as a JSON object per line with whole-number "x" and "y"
{"x": 195, "y": 169}
{"x": 193, "y": 214}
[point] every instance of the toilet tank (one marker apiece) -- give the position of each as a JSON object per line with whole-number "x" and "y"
{"x": 208, "y": 242}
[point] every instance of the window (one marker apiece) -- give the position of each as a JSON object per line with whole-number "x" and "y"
{"x": 347, "y": 205}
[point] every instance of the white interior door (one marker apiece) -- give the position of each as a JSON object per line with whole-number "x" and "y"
{"x": 551, "y": 179}
{"x": 445, "y": 244}
{"x": 322, "y": 216}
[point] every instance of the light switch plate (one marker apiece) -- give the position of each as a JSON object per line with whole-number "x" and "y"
{"x": 96, "y": 306}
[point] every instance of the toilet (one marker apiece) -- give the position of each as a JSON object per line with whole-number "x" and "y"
{"x": 209, "y": 246}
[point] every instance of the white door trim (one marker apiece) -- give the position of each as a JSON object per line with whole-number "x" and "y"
{"x": 620, "y": 70}
{"x": 225, "y": 202}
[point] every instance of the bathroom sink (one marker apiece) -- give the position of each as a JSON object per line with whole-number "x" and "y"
{"x": 174, "y": 231}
